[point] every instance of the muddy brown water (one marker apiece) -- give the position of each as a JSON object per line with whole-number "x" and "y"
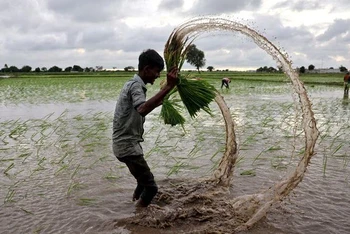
{"x": 58, "y": 173}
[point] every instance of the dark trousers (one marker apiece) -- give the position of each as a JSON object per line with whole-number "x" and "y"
{"x": 224, "y": 83}
{"x": 146, "y": 186}
{"x": 346, "y": 89}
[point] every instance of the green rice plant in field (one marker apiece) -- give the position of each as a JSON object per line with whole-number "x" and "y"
{"x": 111, "y": 177}
{"x": 175, "y": 169}
{"x": 74, "y": 186}
{"x": 26, "y": 211}
{"x": 12, "y": 165}
{"x": 250, "y": 172}
{"x": 87, "y": 201}
{"x": 69, "y": 146}
{"x": 10, "y": 196}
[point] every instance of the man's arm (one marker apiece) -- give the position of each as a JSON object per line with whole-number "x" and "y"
{"x": 157, "y": 99}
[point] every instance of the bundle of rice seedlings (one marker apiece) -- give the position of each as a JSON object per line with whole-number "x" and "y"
{"x": 195, "y": 94}
{"x": 170, "y": 114}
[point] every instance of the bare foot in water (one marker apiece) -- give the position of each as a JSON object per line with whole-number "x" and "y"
{"x": 141, "y": 203}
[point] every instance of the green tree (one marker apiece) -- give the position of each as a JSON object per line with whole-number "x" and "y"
{"x": 266, "y": 69}
{"x": 271, "y": 69}
{"x": 37, "y": 69}
{"x": 311, "y": 67}
{"x": 68, "y": 69}
{"x": 343, "y": 69}
{"x": 129, "y": 68}
{"x": 260, "y": 69}
{"x": 210, "y": 68}
{"x": 13, "y": 69}
{"x": 5, "y": 69}
{"x": 44, "y": 69}
{"x": 302, "y": 69}
{"x": 195, "y": 57}
{"x": 77, "y": 68}
{"x": 26, "y": 68}
{"x": 55, "y": 69}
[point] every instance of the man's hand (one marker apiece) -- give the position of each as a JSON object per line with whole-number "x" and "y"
{"x": 171, "y": 76}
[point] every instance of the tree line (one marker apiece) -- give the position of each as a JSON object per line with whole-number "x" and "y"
{"x": 26, "y": 68}
{"x": 311, "y": 67}
{"x": 194, "y": 56}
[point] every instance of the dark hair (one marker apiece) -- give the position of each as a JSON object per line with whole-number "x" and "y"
{"x": 150, "y": 58}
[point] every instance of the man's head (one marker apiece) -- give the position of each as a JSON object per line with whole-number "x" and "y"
{"x": 150, "y": 65}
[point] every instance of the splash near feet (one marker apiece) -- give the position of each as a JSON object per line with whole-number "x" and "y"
{"x": 206, "y": 206}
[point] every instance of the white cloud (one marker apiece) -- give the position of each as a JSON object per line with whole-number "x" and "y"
{"x": 113, "y": 33}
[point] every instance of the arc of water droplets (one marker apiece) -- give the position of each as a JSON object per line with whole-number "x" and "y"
{"x": 257, "y": 204}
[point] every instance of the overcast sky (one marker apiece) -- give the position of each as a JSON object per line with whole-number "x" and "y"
{"x": 112, "y": 33}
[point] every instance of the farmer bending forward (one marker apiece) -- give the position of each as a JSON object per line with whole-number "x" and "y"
{"x": 225, "y": 82}
{"x": 129, "y": 117}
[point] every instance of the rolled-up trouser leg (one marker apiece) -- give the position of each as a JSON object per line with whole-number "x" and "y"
{"x": 146, "y": 186}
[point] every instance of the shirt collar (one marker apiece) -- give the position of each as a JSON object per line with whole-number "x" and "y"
{"x": 138, "y": 79}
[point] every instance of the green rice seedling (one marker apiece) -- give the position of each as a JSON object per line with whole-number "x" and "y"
{"x": 7, "y": 159}
{"x": 170, "y": 114}
{"x": 12, "y": 165}
{"x": 324, "y": 167}
{"x": 337, "y": 148}
{"x": 196, "y": 95}
{"x": 250, "y": 172}
{"x": 74, "y": 186}
{"x": 275, "y": 147}
{"x": 258, "y": 156}
{"x": 38, "y": 230}
{"x": 278, "y": 162}
{"x": 41, "y": 161}
{"x": 98, "y": 160}
{"x": 176, "y": 168}
{"x": 60, "y": 161}
{"x": 111, "y": 177}
{"x": 220, "y": 150}
{"x": 9, "y": 196}
{"x": 193, "y": 151}
{"x": 63, "y": 167}
{"x": 27, "y": 211}
{"x": 86, "y": 201}
{"x": 75, "y": 171}
{"x": 18, "y": 131}
{"x": 250, "y": 138}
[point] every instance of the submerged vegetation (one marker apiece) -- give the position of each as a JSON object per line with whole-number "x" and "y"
{"x": 49, "y": 153}
{"x": 64, "y": 152}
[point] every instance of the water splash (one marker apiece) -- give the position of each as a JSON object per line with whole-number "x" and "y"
{"x": 249, "y": 208}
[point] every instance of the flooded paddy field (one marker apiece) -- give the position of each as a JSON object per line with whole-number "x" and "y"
{"x": 58, "y": 173}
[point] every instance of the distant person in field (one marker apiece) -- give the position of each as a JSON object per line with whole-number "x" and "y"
{"x": 225, "y": 82}
{"x": 129, "y": 118}
{"x": 346, "y": 84}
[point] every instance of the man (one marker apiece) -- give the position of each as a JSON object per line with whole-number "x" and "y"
{"x": 225, "y": 82}
{"x": 129, "y": 117}
{"x": 346, "y": 84}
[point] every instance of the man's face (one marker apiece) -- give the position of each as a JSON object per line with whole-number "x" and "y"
{"x": 151, "y": 74}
